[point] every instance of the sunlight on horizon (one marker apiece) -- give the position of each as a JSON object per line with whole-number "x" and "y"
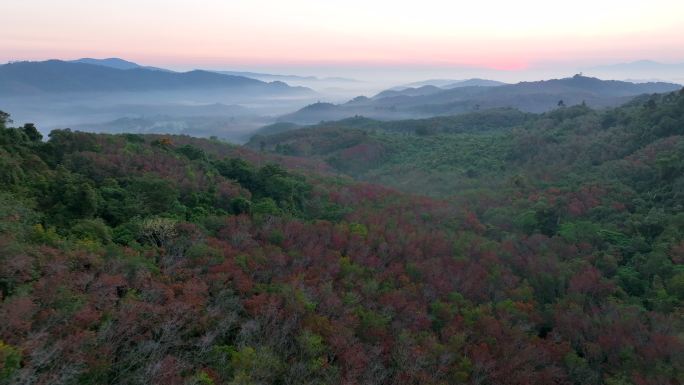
{"x": 267, "y": 33}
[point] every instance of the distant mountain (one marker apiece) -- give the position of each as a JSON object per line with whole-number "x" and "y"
{"x": 285, "y": 78}
{"x": 539, "y": 96}
{"x": 588, "y": 85}
{"x": 443, "y": 84}
{"x": 122, "y": 64}
{"x": 418, "y": 91}
{"x": 475, "y": 82}
{"x": 428, "y": 82}
{"x": 263, "y": 76}
{"x": 55, "y": 76}
{"x": 451, "y": 83}
{"x": 317, "y": 112}
{"x": 641, "y": 69}
{"x": 640, "y": 65}
{"x": 116, "y": 63}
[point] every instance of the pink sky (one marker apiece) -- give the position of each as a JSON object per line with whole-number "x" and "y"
{"x": 508, "y": 35}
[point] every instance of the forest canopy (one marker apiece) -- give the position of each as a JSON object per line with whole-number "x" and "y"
{"x": 457, "y": 250}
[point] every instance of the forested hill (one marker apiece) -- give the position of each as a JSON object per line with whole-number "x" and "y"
{"x": 129, "y": 259}
{"x": 443, "y": 156}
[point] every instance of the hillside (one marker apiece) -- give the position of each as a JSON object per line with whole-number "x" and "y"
{"x": 54, "y": 76}
{"x": 445, "y": 154}
{"x": 492, "y": 119}
{"x": 174, "y": 260}
{"x": 539, "y": 96}
{"x": 418, "y": 91}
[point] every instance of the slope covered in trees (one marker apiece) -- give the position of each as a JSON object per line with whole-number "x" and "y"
{"x": 445, "y": 155}
{"x": 130, "y": 259}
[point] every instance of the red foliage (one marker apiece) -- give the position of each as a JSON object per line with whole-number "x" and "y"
{"x": 168, "y": 372}
{"x": 16, "y": 314}
{"x": 590, "y": 282}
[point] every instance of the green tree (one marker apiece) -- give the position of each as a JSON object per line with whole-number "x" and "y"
{"x": 32, "y": 132}
{"x": 4, "y": 119}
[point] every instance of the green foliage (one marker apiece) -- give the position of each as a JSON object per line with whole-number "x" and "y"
{"x": 620, "y": 379}
{"x": 42, "y": 235}
{"x": 191, "y": 152}
{"x": 202, "y": 378}
{"x": 92, "y": 229}
{"x": 371, "y": 323}
{"x": 64, "y": 142}
{"x": 358, "y": 229}
{"x": 269, "y": 185}
{"x": 311, "y": 344}
{"x": 15, "y": 217}
{"x": 70, "y": 196}
{"x": 126, "y": 233}
{"x": 241, "y": 206}
{"x": 579, "y": 370}
{"x": 4, "y": 119}
{"x": 265, "y": 206}
{"x": 276, "y": 237}
{"x": 152, "y": 195}
{"x": 253, "y": 366}
{"x": 441, "y": 313}
{"x": 676, "y": 285}
{"x": 10, "y": 361}
{"x": 580, "y": 231}
{"x": 32, "y": 132}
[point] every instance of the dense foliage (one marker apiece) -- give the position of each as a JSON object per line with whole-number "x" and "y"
{"x": 553, "y": 255}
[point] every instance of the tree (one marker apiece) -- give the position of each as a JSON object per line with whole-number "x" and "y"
{"x": 92, "y": 229}
{"x": 10, "y": 361}
{"x": 32, "y": 132}
{"x": 192, "y": 152}
{"x": 152, "y": 194}
{"x": 159, "y": 231}
{"x": 241, "y": 205}
{"x": 4, "y": 119}
{"x": 238, "y": 170}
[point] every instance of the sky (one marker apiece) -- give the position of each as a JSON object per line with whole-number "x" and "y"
{"x": 340, "y": 37}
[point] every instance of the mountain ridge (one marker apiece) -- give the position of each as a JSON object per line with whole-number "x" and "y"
{"x": 537, "y": 96}
{"x": 116, "y": 63}
{"x": 56, "y": 76}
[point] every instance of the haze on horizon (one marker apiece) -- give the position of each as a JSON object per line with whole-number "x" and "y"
{"x": 509, "y": 41}
{"x": 383, "y": 43}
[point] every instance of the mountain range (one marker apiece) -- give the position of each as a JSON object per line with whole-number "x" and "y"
{"x": 117, "y": 63}
{"x": 641, "y": 65}
{"x": 115, "y": 75}
{"x": 285, "y": 78}
{"x": 641, "y": 69}
{"x": 429, "y": 100}
{"x": 123, "y": 64}
{"x": 452, "y": 83}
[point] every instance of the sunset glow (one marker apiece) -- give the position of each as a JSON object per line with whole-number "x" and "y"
{"x": 212, "y": 33}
